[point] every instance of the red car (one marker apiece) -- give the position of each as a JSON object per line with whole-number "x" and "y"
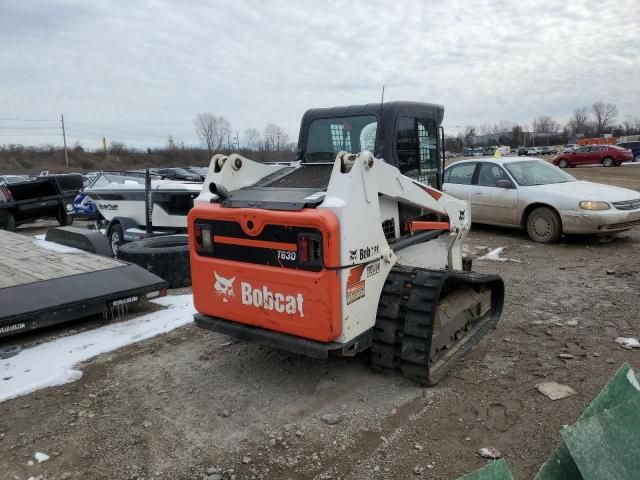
{"x": 606, "y": 155}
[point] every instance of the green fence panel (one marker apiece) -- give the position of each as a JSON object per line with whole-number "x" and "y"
{"x": 606, "y": 445}
{"x": 621, "y": 387}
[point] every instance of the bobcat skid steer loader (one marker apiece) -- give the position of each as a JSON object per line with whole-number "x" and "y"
{"x": 341, "y": 252}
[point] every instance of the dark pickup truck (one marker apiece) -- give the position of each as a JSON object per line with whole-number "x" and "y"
{"x": 42, "y": 197}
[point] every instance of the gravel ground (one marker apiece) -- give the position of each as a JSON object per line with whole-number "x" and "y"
{"x": 191, "y": 402}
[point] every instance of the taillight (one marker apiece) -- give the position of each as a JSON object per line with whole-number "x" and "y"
{"x": 197, "y": 235}
{"x": 5, "y": 192}
{"x": 202, "y": 236}
{"x": 310, "y": 249}
{"x": 303, "y": 248}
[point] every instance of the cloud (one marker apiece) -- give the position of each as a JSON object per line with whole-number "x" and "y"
{"x": 147, "y": 68}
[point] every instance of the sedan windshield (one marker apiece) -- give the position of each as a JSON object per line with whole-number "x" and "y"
{"x": 537, "y": 172}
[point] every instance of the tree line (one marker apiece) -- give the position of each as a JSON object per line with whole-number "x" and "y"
{"x": 585, "y": 122}
{"x": 216, "y": 135}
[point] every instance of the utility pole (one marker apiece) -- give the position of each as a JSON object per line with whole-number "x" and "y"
{"x": 64, "y": 140}
{"x": 229, "y": 142}
{"x": 278, "y": 137}
{"x": 104, "y": 146}
{"x": 237, "y": 140}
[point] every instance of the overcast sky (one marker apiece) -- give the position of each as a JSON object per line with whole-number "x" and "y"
{"x": 136, "y": 71}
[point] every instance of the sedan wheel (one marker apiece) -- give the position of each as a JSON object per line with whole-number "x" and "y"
{"x": 544, "y": 226}
{"x": 563, "y": 163}
{"x": 607, "y": 162}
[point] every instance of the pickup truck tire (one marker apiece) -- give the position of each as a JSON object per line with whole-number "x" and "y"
{"x": 167, "y": 257}
{"x": 64, "y": 219}
{"x": 7, "y": 221}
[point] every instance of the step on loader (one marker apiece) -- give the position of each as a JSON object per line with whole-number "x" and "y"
{"x": 351, "y": 247}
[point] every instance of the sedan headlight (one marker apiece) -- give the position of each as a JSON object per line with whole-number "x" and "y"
{"x": 589, "y": 205}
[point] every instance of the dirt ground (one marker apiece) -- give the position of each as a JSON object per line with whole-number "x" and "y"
{"x": 176, "y": 405}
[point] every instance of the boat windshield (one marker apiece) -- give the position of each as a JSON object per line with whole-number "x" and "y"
{"x": 328, "y": 136}
{"x": 105, "y": 179}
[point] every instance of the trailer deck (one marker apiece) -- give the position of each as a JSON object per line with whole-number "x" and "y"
{"x": 41, "y": 286}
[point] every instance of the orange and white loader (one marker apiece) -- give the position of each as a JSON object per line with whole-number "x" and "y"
{"x": 351, "y": 247}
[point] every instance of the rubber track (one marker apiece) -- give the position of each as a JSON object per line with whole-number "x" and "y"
{"x": 404, "y": 325}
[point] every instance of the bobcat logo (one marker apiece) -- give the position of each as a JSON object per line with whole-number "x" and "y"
{"x": 224, "y": 287}
{"x": 353, "y": 254}
{"x": 462, "y": 214}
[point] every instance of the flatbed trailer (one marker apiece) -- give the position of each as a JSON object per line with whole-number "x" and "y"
{"x": 42, "y": 286}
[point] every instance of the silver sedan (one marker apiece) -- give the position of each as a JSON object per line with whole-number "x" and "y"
{"x": 532, "y": 194}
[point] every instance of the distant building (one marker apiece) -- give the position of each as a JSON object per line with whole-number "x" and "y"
{"x": 489, "y": 138}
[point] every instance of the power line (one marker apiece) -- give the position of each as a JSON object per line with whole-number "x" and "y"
{"x": 118, "y": 131}
{"x": 29, "y": 135}
{"x": 27, "y": 128}
{"x": 24, "y": 120}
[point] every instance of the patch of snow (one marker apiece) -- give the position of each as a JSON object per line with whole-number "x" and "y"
{"x": 628, "y": 342}
{"x": 40, "y": 237}
{"x": 54, "y": 363}
{"x": 41, "y": 457}
{"x": 494, "y": 255}
{"x": 55, "y": 247}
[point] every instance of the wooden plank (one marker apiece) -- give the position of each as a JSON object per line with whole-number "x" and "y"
{"x": 22, "y": 261}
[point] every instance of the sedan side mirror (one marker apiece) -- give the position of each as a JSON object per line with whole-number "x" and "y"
{"x": 504, "y": 184}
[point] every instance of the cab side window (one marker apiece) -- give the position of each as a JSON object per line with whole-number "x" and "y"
{"x": 461, "y": 174}
{"x": 417, "y": 148}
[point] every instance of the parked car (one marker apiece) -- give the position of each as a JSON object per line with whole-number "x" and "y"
{"x": 569, "y": 147}
{"x": 547, "y": 202}
{"x": 177, "y": 174}
{"x": 10, "y": 179}
{"x": 547, "y": 151}
{"x": 522, "y": 151}
{"x": 534, "y": 151}
{"x": 634, "y": 147}
{"x": 606, "y": 155}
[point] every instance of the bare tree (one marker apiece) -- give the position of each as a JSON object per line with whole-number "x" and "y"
{"x": 469, "y": 132}
{"x": 212, "y": 130}
{"x": 275, "y": 137}
{"x": 580, "y": 123}
{"x": 252, "y": 138}
{"x": 605, "y": 115}
{"x": 545, "y": 124}
{"x": 171, "y": 143}
{"x": 627, "y": 125}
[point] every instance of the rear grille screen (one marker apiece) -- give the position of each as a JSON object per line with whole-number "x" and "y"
{"x": 306, "y": 176}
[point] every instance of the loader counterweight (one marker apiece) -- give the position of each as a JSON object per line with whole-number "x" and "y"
{"x": 256, "y": 267}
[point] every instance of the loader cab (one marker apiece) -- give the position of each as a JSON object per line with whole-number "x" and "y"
{"x": 405, "y": 134}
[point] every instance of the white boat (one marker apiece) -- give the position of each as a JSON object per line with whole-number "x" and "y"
{"x": 123, "y": 196}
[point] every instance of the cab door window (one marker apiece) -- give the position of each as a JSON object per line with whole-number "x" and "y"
{"x": 417, "y": 148}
